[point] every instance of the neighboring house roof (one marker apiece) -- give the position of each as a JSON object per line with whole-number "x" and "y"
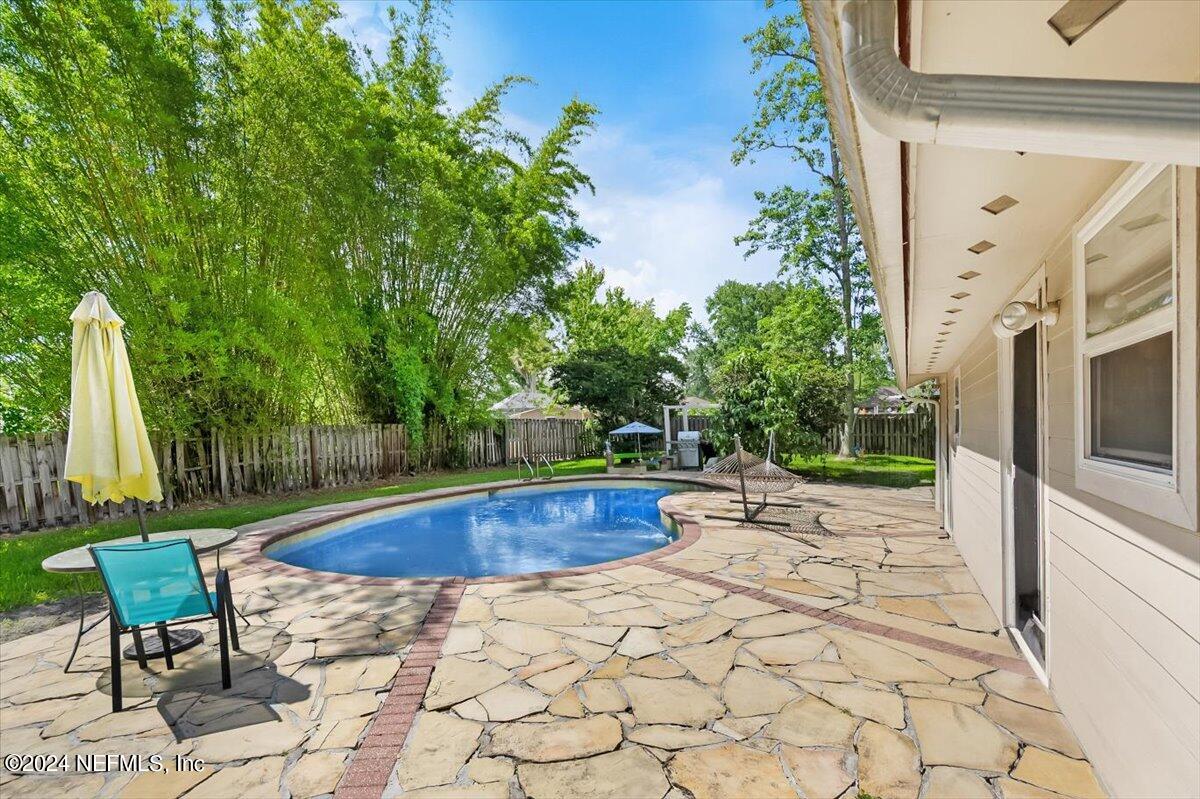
{"x": 692, "y": 403}
{"x": 523, "y": 401}
{"x": 553, "y": 412}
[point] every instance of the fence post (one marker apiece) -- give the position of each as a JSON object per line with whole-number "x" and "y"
{"x": 313, "y": 464}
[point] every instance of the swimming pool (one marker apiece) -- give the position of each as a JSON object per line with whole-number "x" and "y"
{"x": 507, "y": 531}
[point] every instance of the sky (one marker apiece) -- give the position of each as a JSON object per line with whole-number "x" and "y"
{"x": 673, "y": 85}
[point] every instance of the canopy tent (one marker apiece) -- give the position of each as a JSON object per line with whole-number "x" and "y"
{"x": 635, "y": 428}
{"x": 108, "y": 450}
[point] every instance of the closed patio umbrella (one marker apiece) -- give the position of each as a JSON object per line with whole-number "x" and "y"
{"x": 108, "y": 451}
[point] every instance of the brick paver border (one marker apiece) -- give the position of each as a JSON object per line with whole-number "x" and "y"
{"x": 1017, "y": 665}
{"x": 371, "y": 766}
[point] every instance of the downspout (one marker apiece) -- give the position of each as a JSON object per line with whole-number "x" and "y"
{"x": 1124, "y": 120}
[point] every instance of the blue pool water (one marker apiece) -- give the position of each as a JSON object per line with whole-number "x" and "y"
{"x": 485, "y": 534}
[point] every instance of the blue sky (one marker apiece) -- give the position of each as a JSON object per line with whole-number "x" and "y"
{"x": 673, "y": 85}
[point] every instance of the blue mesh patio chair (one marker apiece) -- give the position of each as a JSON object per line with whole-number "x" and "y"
{"x": 154, "y": 585}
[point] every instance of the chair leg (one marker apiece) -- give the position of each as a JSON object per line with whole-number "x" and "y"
{"x": 114, "y": 653}
{"x": 140, "y": 647}
{"x": 166, "y": 645}
{"x": 229, "y": 608}
{"x": 222, "y": 629}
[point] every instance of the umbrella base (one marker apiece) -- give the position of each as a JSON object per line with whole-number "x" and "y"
{"x": 180, "y": 640}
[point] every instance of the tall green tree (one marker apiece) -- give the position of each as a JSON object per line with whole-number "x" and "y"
{"x": 813, "y": 231}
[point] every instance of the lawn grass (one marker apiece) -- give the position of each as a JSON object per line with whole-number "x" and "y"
{"x": 897, "y": 471}
{"x": 22, "y": 581}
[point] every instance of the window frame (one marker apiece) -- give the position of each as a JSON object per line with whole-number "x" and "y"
{"x": 1170, "y": 496}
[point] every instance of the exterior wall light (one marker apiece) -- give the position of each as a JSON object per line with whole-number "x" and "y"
{"x": 1017, "y": 316}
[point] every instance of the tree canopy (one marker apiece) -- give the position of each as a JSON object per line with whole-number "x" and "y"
{"x": 291, "y": 232}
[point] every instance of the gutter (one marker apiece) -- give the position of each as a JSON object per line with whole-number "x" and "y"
{"x": 1124, "y": 120}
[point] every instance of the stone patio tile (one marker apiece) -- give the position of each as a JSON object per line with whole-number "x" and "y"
{"x": 820, "y": 773}
{"x": 508, "y": 658}
{"x": 1015, "y": 789}
{"x": 567, "y": 704}
{"x": 613, "y": 602}
{"x": 254, "y": 740}
{"x": 258, "y": 779}
{"x": 544, "y": 663}
{"x": 657, "y": 667}
{"x": 795, "y": 586}
{"x": 524, "y": 638}
{"x": 951, "y": 734}
{"x": 1044, "y": 728}
{"x": 811, "y": 721}
{"x": 602, "y": 696}
{"x": 472, "y": 608}
{"x": 315, "y": 774}
{"x": 970, "y": 611}
{"x": 462, "y": 638}
{"x": 888, "y": 764}
{"x": 884, "y": 707}
{"x": 671, "y": 701}
{"x": 615, "y": 668}
{"x": 455, "y": 680}
{"x": 509, "y": 702}
{"x": 348, "y": 706}
{"x": 592, "y": 653}
{"x": 1025, "y": 690}
{"x": 490, "y": 769}
{"x": 558, "y": 740}
{"x": 787, "y": 650}
{"x": 775, "y": 624}
{"x": 1057, "y": 773}
{"x": 956, "y": 783}
{"x": 728, "y": 771}
{"x": 491, "y": 790}
{"x": 822, "y": 670}
{"x": 630, "y": 773}
{"x": 554, "y": 682}
{"x": 342, "y": 734}
{"x": 666, "y": 736}
{"x": 598, "y": 634}
{"x": 164, "y": 785}
{"x": 867, "y": 657}
{"x": 751, "y": 693}
{"x": 634, "y": 617}
{"x": 925, "y": 609}
{"x": 708, "y": 662}
{"x": 950, "y": 693}
{"x": 680, "y": 611}
{"x": 640, "y": 642}
{"x": 437, "y": 748}
{"x": 700, "y": 631}
{"x": 742, "y": 607}
{"x": 547, "y": 610}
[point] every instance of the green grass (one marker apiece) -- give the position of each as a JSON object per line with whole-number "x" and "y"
{"x": 22, "y": 581}
{"x": 897, "y": 471}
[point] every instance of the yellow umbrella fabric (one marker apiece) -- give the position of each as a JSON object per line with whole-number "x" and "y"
{"x": 108, "y": 451}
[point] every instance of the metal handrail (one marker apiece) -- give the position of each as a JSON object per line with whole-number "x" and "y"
{"x": 549, "y": 466}
{"x": 532, "y": 471}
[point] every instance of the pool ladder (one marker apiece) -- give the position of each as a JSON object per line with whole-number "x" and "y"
{"x": 535, "y": 468}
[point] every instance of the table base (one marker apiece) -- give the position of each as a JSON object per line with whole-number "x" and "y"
{"x": 180, "y": 640}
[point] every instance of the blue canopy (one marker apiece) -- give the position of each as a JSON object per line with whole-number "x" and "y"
{"x": 633, "y": 427}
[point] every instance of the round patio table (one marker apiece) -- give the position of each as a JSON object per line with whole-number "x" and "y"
{"x": 79, "y": 561}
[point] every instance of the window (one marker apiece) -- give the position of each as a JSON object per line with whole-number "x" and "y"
{"x": 1134, "y": 442}
{"x": 957, "y": 407}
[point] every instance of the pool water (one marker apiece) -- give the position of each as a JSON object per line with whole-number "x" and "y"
{"x": 492, "y": 533}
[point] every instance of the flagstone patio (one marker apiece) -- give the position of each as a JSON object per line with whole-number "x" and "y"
{"x": 749, "y": 662}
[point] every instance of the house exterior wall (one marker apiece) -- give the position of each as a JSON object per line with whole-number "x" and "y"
{"x": 1122, "y": 589}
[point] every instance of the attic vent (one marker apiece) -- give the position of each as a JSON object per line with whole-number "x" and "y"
{"x": 999, "y": 205}
{"x": 980, "y": 247}
{"x": 1077, "y": 17}
{"x": 954, "y": 310}
{"x": 947, "y": 323}
{"x": 967, "y": 275}
{"x": 961, "y": 295}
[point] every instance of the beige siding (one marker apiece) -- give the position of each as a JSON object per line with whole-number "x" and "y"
{"x": 975, "y": 470}
{"x": 1122, "y": 588}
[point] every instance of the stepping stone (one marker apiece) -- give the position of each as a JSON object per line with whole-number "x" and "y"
{"x": 709, "y": 662}
{"x": 820, "y": 773}
{"x": 888, "y": 764}
{"x": 455, "y": 680}
{"x": 1033, "y": 725}
{"x": 438, "y": 747}
{"x": 813, "y": 722}
{"x": 728, "y": 771}
{"x": 787, "y": 650}
{"x": 546, "y": 610}
{"x": 952, "y": 734}
{"x": 700, "y": 631}
{"x": 508, "y": 702}
{"x": 665, "y": 736}
{"x": 631, "y": 773}
{"x": 956, "y": 783}
{"x": 671, "y": 701}
{"x": 751, "y": 693}
{"x": 1054, "y": 772}
{"x": 558, "y": 740}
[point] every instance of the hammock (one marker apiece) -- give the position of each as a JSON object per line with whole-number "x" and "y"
{"x": 753, "y": 475}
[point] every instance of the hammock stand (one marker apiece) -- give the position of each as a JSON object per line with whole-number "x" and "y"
{"x": 753, "y": 475}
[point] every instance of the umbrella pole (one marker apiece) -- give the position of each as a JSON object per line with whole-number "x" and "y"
{"x": 141, "y": 514}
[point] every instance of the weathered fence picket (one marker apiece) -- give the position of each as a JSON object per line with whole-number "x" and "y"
{"x": 219, "y": 464}
{"x": 909, "y": 434}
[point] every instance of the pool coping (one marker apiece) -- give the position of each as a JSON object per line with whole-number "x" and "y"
{"x": 255, "y": 538}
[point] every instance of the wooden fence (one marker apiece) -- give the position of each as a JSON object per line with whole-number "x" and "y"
{"x": 889, "y": 434}
{"x": 218, "y": 465}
